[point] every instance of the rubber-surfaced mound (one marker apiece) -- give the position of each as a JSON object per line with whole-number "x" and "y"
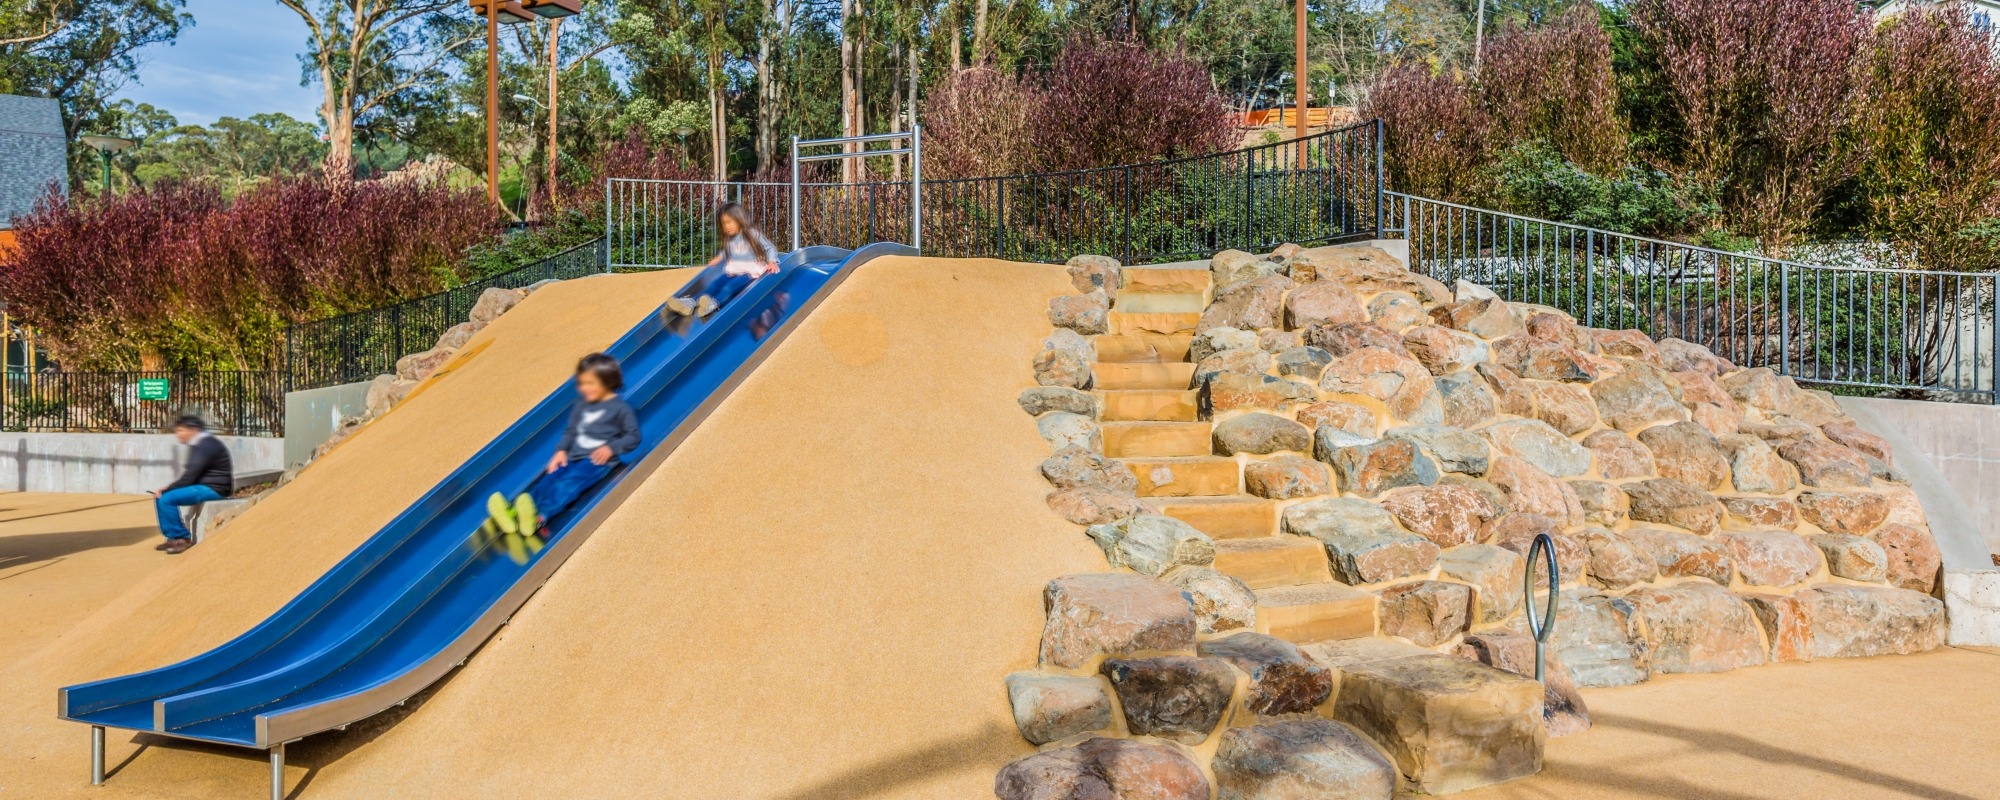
{"x": 815, "y": 596}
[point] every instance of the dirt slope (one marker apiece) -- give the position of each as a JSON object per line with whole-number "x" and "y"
{"x": 816, "y": 597}
{"x": 224, "y": 586}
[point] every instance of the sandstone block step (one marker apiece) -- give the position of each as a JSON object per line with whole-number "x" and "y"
{"x": 1143, "y": 347}
{"x": 1207, "y": 476}
{"x": 1273, "y": 561}
{"x": 1317, "y": 612}
{"x": 1167, "y": 279}
{"x": 1156, "y": 439}
{"x": 1110, "y": 376}
{"x": 1224, "y": 517}
{"x": 1149, "y": 405}
{"x": 1144, "y": 302}
{"x": 1154, "y": 321}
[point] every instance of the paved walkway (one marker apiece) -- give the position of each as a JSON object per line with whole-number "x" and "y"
{"x": 63, "y": 557}
{"x": 1902, "y": 727}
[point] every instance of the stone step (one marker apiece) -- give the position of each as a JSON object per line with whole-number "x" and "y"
{"x": 1156, "y": 439}
{"x": 1111, "y": 376}
{"x": 1273, "y": 561}
{"x": 1317, "y": 612}
{"x": 1241, "y": 517}
{"x": 1148, "y": 405}
{"x": 1168, "y": 279}
{"x": 1207, "y": 476}
{"x": 1154, "y": 321}
{"x": 1144, "y": 302}
{"x": 1143, "y": 347}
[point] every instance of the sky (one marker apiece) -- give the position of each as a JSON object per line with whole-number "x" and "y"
{"x": 239, "y": 58}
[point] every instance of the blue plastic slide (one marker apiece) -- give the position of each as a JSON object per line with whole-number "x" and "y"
{"x": 419, "y": 596}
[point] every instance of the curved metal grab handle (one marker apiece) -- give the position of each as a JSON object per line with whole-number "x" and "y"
{"x": 1541, "y": 628}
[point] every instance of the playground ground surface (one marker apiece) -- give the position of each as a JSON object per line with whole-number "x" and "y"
{"x": 816, "y": 597}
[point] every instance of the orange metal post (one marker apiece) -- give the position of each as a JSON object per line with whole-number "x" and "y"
{"x": 1299, "y": 77}
{"x": 555, "y": 66}
{"x": 493, "y": 101}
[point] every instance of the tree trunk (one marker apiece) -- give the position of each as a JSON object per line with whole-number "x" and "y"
{"x": 979, "y": 34}
{"x": 850, "y": 111}
{"x": 957, "y": 46}
{"x": 718, "y": 122}
{"x": 895, "y": 107}
{"x": 767, "y": 88}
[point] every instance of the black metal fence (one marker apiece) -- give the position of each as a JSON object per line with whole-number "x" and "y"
{"x": 243, "y": 403}
{"x": 1885, "y": 329}
{"x": 364, "y": 344}
{"x": 1317, "y": 190}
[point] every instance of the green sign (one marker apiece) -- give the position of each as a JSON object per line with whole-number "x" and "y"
{"x": 152, "y": 388}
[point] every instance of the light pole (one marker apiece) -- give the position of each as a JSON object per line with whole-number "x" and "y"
{"x": 106, "y": 145}
{"x": 522, "y": 98}
{"x": 515, "y": 11}
{"x": 684, "y": 132}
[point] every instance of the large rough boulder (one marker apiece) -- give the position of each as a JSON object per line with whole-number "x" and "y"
{"x": 1598, "y": 637}
{"x": 1684, "y": 555}
{"x": 1231, "y": 391}
{"x": 1093, "y": 505}
{"x": 1448, "y": 724}
{"x": 1620, "y": 456}
{"x": 1468, "y": 401}
{"x": 1112, "y": 613}
{"x": 1565, "y": 406}
{"x": 1088, "y": 314}
{"x": 1442, "y": 350}
{"x": 1322, "y": 303}
{"x": 1852, "y": 557}
{"x": 1103, "y": 769}
{"x": 1231, "y": 267}
{"x": 1563, "y": 709}
{"x": 1531, "y": 491}
{"x": 1093, "y": 273}
{"x": 1448, "y": 515}
{"x": 1073, "y": 466}
{"x": 1065, "y": 430}
{"x": 1671, "y": 502}
{"x": 1305, "y": 759}
{"x": 1495, "y": 572}
{"x": 1688, "y": 453}
{"x": 493, "y": 302}
{"x": 1535, "y": 442}
{"x": 1454, "y": 449}
{"x": 1048, "y": 707}
{"x": 1304, "y": 362}
{"x": 1427, "y": 613}
{"x": 1616, "y": 561}
{"x": 1844, "y": 512}
{"x": 1828, "y": 465}
{"x": 1066, "y": 368}
{"x": 1286, "y": 477}
{"x": 1637, "y": 397}
{"x": 1220, "y": 602}
{"x": 1151, "y": 544}
{"x": 1044, "y": 399}
{"x": 1402, "y": 384}
{"x": 1850, "y": 621}
{"x": 1261, "y": 434}
{"x": 1283, "y": 678}
{"x": 1914, "y": 560}
{"x": 1761, "y": 512}
{"x": 1249, "y": 305}
{"x": 1698, "y": 627}
{"x": 1755, "y": 467}
{"x": 1172, "y": 697}
{"x": 1370, "y": 468}
{"x": 418, "y": 366}
{"x": 1772, "y": 558}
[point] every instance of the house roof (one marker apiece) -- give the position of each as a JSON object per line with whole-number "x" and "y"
{"x": 33, "y": 153}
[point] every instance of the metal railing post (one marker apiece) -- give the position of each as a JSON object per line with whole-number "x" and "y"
{"x": 607, "y": 224}
{"x": 1589, "y": 276}
{"x": 1993, "y": 331}
{"x": 795, "y": 193}
{"x": 1784, "y": 318}
{"x": 917, "y": 187}
{"x": 1379, "y": 188}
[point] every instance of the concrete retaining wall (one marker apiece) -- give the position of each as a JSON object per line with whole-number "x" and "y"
{"x": 311, "y": 417}
{"x": 1950, "y": 452}
{"x": 114, "y": 463}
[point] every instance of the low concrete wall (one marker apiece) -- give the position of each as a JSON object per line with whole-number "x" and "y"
{"x": 114, "y": 463}
{"x": 1950, "y": 452}
{"x": 311, "y": 417}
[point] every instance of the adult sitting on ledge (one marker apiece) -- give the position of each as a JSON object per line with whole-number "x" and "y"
{"x": 208, "y": 476}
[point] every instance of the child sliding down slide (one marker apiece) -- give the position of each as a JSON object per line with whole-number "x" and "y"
{"x": 746, "y": 256}
{"x": 602, "y": 429}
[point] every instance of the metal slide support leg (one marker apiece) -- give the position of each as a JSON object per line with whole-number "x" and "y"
{"x": 97, "y": 755}
{"x": 278, "y": 772}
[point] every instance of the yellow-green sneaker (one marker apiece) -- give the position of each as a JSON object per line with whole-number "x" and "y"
{"x": 501, "y": 514}
{"x": 526, "y": 515}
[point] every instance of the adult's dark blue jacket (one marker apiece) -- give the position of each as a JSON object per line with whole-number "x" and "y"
{"x": 207, "y": 465}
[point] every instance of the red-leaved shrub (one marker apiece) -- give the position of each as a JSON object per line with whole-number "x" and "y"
{"x": 1763, "y": 91}
{"x": 205, "y": 283}
{"x": 1438, "y": 133}
{"x": 1554, "y": 83}
{"x": 1930, "y": 129}
{"x": 1100, "y": 103}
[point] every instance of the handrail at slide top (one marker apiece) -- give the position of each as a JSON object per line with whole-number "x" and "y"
{"x": 395, "y": 575}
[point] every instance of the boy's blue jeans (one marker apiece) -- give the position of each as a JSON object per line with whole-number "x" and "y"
{"x": 555, "y": 491}
{"x": 168, "y": 507}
